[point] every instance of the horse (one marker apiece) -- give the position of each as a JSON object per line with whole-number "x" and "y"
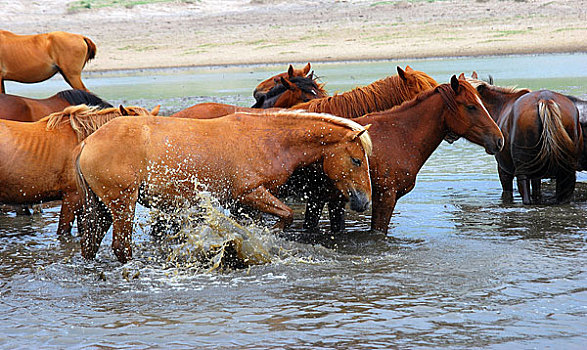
{"x": 582, "y": 109}
{"x": 403, "y": 138}
{"x": 543, "y": 139}
{"x": 242, "y": 158}
{"x": 24, "y": 109}
{"x": 269, "y": 83}
{"x": 35, "y": 58}
{"x": 377, "y": 96}
{"x": 36, "y": 162}
{"x": 284, "y": 94}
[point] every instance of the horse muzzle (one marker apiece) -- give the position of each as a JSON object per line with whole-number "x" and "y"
{"x": 495, "y": 146}
{"x": 359, "y": 201}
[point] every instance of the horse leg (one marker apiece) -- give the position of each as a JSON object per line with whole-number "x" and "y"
{"x": 261, "y": 199}
{"x": 313, "y": 212}
{"x": 2, "y": 89}
{"x": 70, "y": 205}
{"x": 524, "y": 189}
{"x": 536, "y": 185}
{"x": 383, "y": 205}
{"x": 92, "y": 224}
{"x": 565, "y": 186}
{"x": 74, "y": 79}
{"x": 336, "y": 214}
{"x": 123, "y": 212}
{"x": 507, "y": 185}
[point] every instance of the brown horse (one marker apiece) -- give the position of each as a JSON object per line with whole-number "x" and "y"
{"x": 404, "y": 137}
{"x": 582, "y": 109}
{"x": 35, "y": 158}
{"x": 35, "y": 58}
{"x": 543, "y": 139}
{"x": 269, "y": 83}
{"x": 286, "y": 93}
{"x": 378, "y": 96}
{"x": 24, "y": 109}
{"x": 243, "y": 157}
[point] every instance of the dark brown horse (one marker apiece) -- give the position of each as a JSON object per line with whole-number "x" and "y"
{"x": 36, "y": 162}
{"x": 543, "y": 139}
{"x": 269, "y": 83}
{"x": 377, "y": 96}
{"x": 35, "y": 58}
{"x": 404, "y": 137}
{"x": 24, "y": 109}
{"x": 243, "y": 157}
{"x": 286, "y": 93}
{"x": 582, "y": 109}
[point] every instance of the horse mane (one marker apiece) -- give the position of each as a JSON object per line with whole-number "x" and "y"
{"x": 501, "y": 89}
{"x": 377, "y": 96}
{"x": 86, "y": 120}
{"x": 306, "y": 84}
{"x": 365, "y": 139}
{"x": 79, "y": 97}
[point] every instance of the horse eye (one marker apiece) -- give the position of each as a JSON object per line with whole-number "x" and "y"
{"x": 471, "y": 107}
{"x": 356, "y": 161}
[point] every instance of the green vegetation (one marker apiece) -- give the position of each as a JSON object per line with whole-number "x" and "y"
{"x": 501, "y": 33}
{"x": 80, "y": 5}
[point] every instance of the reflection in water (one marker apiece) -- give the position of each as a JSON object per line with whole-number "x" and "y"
{"x": 457, "y": 269}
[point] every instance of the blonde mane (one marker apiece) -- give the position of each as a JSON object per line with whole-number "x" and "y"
{"x": 377, "y": 96}
{"x": 365, "y": 139}
{"x": 85, "y": 120}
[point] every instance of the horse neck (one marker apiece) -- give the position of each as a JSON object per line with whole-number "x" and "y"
{"x": 417, "y": 127}
{"x": 497, "y": 101}
{"x": 378, "y": 96}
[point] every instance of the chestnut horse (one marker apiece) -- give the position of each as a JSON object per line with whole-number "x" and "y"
{"x": 269, "y": 83}
{"x": 35, "y": 158}
{"x": 35, "y": 58}
{"x": 404, "y": 137}
{"x": 543, "y": 139}
{"x": 286, "y": 93}
{"x": 377, "y": 96}
{"x": 24, "y": 109}
{"x": 243, "y": 157}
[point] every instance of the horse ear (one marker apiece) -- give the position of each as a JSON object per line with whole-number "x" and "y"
{"x": 361, "y": 132}
{"x": 474, "y": 75}
{"x": 409, "y": 69}
{"x": 311, "y": 76}
{"x": 287, "y": 83}
{"x": 123, "y": 111}
{"x": 290, "y": 71}
{"x": 491, "y": 79}
{"x": 462, "y": 76}
{"x": 454, "y": 83}
{"x": 307, "y": 68}
{"x": 155, "y": 111}
{"x": 401, "y": 73}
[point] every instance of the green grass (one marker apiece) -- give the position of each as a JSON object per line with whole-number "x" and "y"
{"x": 569, "y": 29}
{"x": 81, "y": 5}
{"x": 502, "y": 33}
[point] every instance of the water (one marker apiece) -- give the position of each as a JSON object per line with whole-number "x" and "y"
{"x": 457, "y": 269}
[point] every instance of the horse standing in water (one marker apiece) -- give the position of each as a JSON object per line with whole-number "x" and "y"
{"x": 35, "y": 58}
{"x": 24, "y": 109}
{"x": 269, "y": 83}
{"x": 286, "y": 93}
{"x": 404, "y": 137}
{"x": 36, "y": 163}
{"x": 243, "y": 158}
{"x": 543, "y": 139}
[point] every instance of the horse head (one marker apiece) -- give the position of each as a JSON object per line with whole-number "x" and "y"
{"x": 347, "y": 165}
{"x": 269, "y": 83}
{"x": 291, "y": 91}
{"x": 138, "y": 111}
{"x": 415, "y": 81}
{"x": 468, "y": 117}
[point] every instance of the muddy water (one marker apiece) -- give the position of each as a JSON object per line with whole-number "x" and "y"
{"x": 457, "y": 269}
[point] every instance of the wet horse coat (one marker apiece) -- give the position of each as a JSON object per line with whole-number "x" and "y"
{"x": 36, "y": 163}
{"x": 35, "y": 58}
{"x": 243, "y": 157}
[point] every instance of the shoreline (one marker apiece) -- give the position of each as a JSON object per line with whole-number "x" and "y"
{"x": 295, "y": 63}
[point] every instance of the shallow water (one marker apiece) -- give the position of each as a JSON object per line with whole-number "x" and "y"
{"x": 457, "y": 269}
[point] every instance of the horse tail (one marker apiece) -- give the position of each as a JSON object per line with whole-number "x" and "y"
{"x": 79, "y": 97}
{"x": 95, "y": 218}
{"x": 558, "y": 147}
{"x": 91, "y": 49}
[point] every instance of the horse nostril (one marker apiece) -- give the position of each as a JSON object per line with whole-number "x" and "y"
{"x": 500, "y": 143}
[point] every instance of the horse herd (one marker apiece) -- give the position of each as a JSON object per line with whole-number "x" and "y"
{"x": 365, "y": 146}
